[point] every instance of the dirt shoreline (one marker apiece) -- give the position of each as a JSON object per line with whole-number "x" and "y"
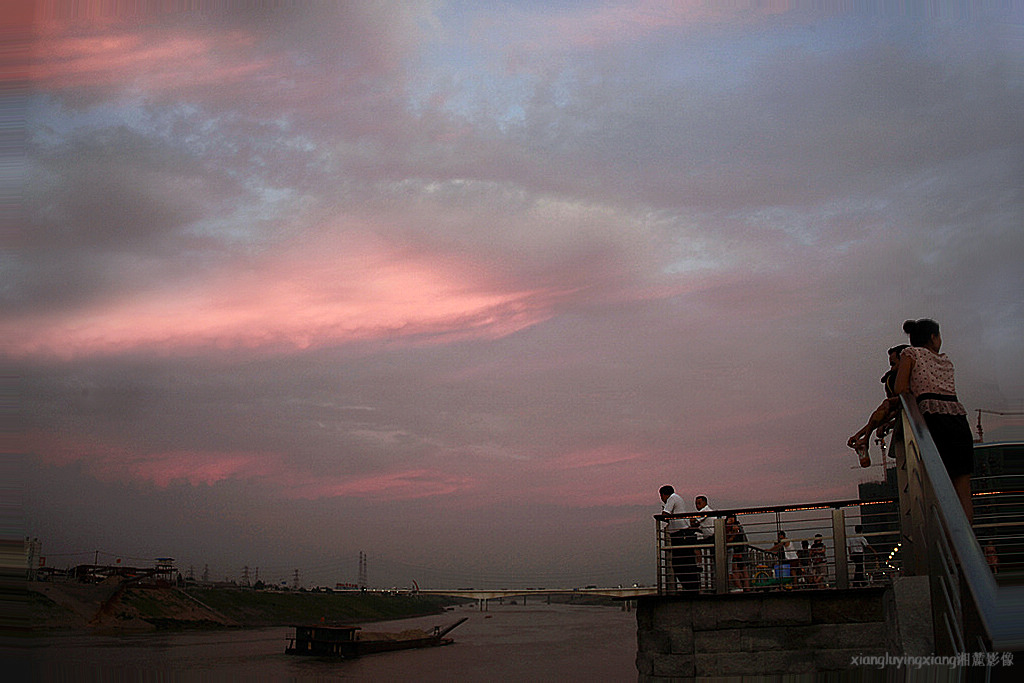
{"x": 134, "y": 608}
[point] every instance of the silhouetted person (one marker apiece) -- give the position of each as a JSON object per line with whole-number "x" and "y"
{"x": 736, "y": 540}
{"x": 802, "y": 568}
{"x": 819, "y": 566}
{"x": 681, "y": 537}
{"x": 857, "y": 546}
{"x": 705, "y": 528}
{"x": 787, "y": 556}
{"x": 992, "y": 557}
{"x": 928, "y": 376}
{"x": 885, "y": 414}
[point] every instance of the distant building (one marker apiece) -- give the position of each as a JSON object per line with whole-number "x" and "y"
{"x": 998, "y": 468}
{"x": 165, "y": 570}
{"x": 33, "y": 557}
{"x": 881, "y": 519}
{"x": 998, "y": 465}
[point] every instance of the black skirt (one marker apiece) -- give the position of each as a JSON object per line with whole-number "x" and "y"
{"x": 952, "y": 436}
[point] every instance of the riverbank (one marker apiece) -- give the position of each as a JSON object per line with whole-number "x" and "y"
{"x": 112, "y": 607}
{"x": 532, "y": 642}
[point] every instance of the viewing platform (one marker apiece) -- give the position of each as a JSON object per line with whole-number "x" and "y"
{"x": 744, "y": 603}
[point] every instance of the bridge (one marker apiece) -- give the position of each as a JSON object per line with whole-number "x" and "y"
{"x": 484, "y": 595}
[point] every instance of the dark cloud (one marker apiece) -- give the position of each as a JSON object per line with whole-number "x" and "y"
{"x": 700, "y": 239}
{"x": 113, "y": 209}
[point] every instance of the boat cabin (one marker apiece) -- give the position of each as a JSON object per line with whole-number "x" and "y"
{"x": 325, "y": 641}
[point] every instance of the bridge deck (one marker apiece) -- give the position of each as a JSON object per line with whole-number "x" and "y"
{"x": 615, "y": 592}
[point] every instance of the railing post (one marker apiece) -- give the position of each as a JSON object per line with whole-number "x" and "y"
{"x": 912, "y": 500}
{"x": 839, "y": 546}
{"x": 721, "y": 565}
{"x": 659, "y": 538}
{"x": 908, "y": 548}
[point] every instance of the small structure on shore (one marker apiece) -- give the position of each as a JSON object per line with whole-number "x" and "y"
{"x": 347, "y": 641}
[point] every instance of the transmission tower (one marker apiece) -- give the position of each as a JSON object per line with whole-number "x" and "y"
{"x": 362, "y": 570}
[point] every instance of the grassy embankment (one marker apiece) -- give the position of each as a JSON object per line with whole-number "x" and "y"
{"x": 136, "y": 608}
{"x": 270, "y": 608}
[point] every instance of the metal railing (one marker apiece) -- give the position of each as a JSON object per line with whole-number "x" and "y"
{"x": 971, "y": 612}
{"x": 814, "y": 553}
{"x": 999, "y": 524}
{"x": 924, "y": 532}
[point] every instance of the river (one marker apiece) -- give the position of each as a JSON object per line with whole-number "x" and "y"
{"x": 533, "y": 642}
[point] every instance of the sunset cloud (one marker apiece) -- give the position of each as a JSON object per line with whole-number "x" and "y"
{"x": 503, "y": 269}
{"x": 116, "y": 462}
{"x": 326, "y": 293}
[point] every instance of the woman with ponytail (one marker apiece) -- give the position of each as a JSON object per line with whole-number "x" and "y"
{"x": 928, "y": 376}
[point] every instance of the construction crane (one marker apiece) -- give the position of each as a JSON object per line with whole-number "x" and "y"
{"x": 981, "y": 432}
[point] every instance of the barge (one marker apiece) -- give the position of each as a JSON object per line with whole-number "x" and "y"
{"x": 349, "y": 641}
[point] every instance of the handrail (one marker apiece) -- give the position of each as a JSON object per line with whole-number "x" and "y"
{"x": 764, "y": 509}
{"x": 945, "y": 547}
{"x": 710, "y": 570}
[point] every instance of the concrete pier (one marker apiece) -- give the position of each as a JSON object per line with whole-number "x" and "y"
{"x": 691, "y": 637}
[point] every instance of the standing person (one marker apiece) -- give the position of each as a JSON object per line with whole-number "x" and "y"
{"x": 819, "y": 568}
{"x": 684, "y": 566}
{"x": 786, "y": 555}
{"x": 928, "y": 376}
{"x": 802, "y": 569}
{"x": 857, "y": 546}
{"x": 705, "y": 523}
{"x": 736, "y": 540}
{"x": 885, "y": 414}
{"x": 705, "y": 528}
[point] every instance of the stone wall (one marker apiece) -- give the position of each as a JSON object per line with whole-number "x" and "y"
{"x": 682, "y": 638}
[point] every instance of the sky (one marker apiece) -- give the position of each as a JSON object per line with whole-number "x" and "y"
{"x": 460, "y": 285}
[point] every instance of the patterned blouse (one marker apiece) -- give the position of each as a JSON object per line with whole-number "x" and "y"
{"x": 933, "y": 374}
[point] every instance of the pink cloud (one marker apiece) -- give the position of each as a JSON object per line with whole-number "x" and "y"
{"x": 605, "y": 456}
{"x": 608, "y": 476}
{"x": 611, "y": 23}
{"x": 107, "y": 461}
{"x": 222, "y": 55}
{"x": 117, "y": 462}
{"x": 198, "y": 468}
{"x": 398, "y": 485}
{"x": 119, "y": 55}
{"x": 337, "y": 289}
{"x": 605, "y": 476}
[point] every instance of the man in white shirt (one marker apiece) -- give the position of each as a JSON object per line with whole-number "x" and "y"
{"x": 856, "y": 546}
{"x": 705, "y": 527}
{"x": 672, "y": 505}
{"x": 706, "y": 523}
{"x": 684, "y": 564}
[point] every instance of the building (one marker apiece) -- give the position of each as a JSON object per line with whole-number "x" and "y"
{"x": 998, "y": 485}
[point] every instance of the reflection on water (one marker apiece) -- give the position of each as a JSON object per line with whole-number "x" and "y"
{"x": 508, "y": 643}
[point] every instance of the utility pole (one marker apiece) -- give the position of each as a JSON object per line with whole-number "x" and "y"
{"x": 295, "y": 580}
{"x": 362, "y": 570}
